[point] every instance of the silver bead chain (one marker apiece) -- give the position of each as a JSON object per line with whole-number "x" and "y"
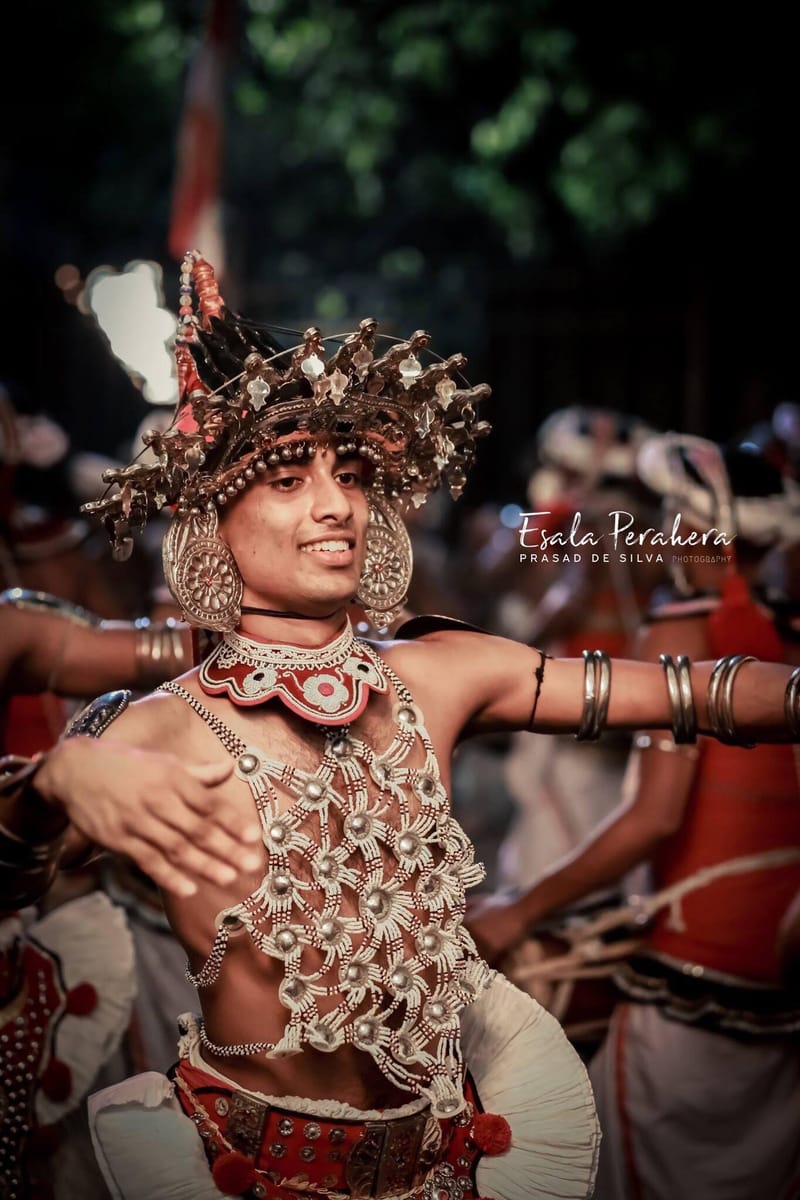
{"x": 237, "y": 1050}
{"x": 233, "y": 744}
{"x": 400, "y": 688}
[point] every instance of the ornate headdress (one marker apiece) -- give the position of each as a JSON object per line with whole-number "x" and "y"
{"x": 246, "y": 404}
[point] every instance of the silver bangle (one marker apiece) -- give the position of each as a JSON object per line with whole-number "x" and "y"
{"x": 596, "y": 695}
{"x": 720, "y": 699}
{"x": 684, "y": 669}
{"x": 159, "y": 650}
{"x": 679, "y": 688}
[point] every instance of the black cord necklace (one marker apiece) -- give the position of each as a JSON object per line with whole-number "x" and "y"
{"x": 293, "y": 616}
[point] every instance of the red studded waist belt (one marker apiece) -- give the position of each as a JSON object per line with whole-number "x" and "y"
{"x": 259, "y": 1151}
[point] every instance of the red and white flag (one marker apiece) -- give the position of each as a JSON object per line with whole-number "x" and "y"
{"x": 195, "y": 220}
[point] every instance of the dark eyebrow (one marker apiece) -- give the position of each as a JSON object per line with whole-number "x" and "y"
{"x": 291, "y": 464}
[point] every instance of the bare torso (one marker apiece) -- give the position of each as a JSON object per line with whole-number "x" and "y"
{"x": 242, "y": 1005}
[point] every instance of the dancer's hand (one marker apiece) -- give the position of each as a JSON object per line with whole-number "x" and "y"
{"x": 497, "y": 925}
{"x": 169, "y": 817}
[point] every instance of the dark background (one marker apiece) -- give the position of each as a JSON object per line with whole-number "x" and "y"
{"x": 591, "y": 201}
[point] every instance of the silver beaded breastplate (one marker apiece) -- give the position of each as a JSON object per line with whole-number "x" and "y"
{"x": 362, "y": 902}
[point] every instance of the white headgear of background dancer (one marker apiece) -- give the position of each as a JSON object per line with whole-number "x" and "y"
{"x": 590, "y": 443}
{"x": 664, "y": 463}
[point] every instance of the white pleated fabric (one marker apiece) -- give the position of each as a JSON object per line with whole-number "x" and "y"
{"x": 145, "y": 1145}
{"x": 526, "y": 1071}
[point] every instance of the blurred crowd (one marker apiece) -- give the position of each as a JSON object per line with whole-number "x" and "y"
{"x": 609, "y": 877}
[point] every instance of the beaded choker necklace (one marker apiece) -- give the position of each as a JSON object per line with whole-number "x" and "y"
{"x": 329, "y": 684}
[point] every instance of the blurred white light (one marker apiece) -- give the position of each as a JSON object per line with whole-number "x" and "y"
{"x": 786, "y": 422}
{"x": 128, "y": 307}
{"x": 511, "y": 516}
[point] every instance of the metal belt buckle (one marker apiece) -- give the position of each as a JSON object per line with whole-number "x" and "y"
{"x": 246, "y": 1120}
{"x": 392, "y": 1156}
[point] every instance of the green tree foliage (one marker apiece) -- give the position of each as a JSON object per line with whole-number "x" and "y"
{"x": 376, "y": 132}
{"x": 530, "y": 119}
{"x": 437, "y": 152}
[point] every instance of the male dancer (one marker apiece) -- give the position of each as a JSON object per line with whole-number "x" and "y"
{"x": 342, "y": 997}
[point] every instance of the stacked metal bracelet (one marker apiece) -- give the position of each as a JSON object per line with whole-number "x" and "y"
{"x": 791, "y": 704}
{"x": 159, "y": 650}
{"x": 596, "y": 694}
{"x": 26, "y": 869}
{"x": 720, "y": 699}
{"x": 679, "y": 688}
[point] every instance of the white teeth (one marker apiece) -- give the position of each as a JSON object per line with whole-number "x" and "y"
{"x": 325, "y": 546}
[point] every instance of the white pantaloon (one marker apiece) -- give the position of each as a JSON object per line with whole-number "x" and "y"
{"x": 689, "y": 1114}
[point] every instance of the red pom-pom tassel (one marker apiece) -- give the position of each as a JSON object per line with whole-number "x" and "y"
{"x": 81, "y": 1000}
{"x": 57, "y": 1080}
{"x": 233, "y": 1173}
{"x": 491, "y": 1133}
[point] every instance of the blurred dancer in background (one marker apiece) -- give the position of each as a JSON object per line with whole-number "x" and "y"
{"x": 47, "y": 547}
{"x": 698, "y": 1082}
{"x": 44, "y": 544}
{"x": 67, "y": 632}
{"x": 93, "y": 994}
{"x": 562, "y": 790}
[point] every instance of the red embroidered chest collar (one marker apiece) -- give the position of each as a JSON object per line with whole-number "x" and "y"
{"x": 327, "y": 684}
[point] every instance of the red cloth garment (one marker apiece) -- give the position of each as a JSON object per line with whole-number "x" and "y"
{"x": 743, "y": 802}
